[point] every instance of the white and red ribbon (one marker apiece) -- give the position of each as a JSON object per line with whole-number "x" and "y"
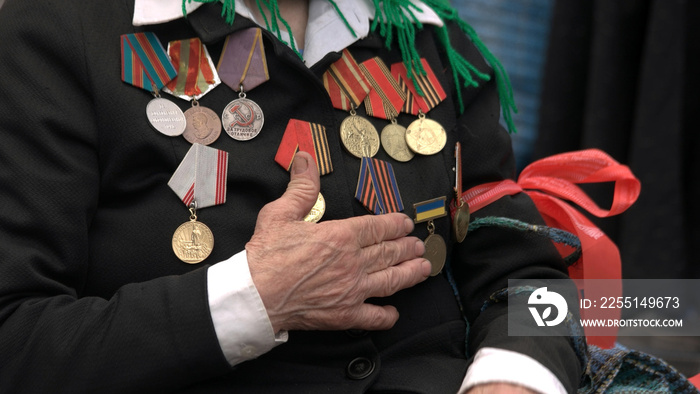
{"x": 201, "y": 177}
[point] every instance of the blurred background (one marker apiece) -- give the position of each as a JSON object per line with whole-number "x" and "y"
{"x": 621, "y": 76}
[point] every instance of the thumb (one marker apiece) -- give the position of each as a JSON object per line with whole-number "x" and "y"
{"x": 302, "y": 190}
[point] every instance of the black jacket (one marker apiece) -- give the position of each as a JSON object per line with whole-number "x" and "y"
{"x": 92, "y": 298}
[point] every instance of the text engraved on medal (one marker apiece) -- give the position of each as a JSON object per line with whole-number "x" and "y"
{"x": 166, "y": 117}
{"x": 359, "y": 137}
{"x": 394, "y": 143}
{"x": 426, "y": 136}
{"x": 242, "y": 119}
{"x": 203, "y": 125}
{"x": 193, "y": 242}
{"x": 316, "y": 213}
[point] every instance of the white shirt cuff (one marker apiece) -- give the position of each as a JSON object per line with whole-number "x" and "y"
{"x": 492, "y": 365}
{"x": 240, "y": 319}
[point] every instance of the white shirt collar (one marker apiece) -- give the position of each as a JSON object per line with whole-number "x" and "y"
{"x": 326, "y": 32}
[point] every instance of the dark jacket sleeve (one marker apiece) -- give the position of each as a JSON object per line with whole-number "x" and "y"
{"x": 484, "y": 262}
{"x": 148, "y": 336}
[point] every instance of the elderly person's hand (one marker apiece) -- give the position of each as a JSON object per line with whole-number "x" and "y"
{"x": 318, "y": 276}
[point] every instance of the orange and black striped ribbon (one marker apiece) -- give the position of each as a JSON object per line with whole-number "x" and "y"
{"x": 433, "y": 93}
{"x": 386, "y": 97}
{"x": 345, "y": 83}
{"x": 377, "y": 189}
{"x": 307, "y": 137}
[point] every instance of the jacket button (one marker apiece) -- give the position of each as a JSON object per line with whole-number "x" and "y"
{"x": 360, "y": 368}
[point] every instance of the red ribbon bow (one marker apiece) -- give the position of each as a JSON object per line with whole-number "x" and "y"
{"x": 551, "y": 182}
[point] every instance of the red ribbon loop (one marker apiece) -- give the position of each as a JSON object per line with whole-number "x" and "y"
{"x": 551, "y": 182}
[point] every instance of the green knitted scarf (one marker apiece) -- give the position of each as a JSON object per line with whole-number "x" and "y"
{"x": 397, "y": 24}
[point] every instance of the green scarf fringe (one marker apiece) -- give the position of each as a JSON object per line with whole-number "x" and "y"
{"x": 397, "y": 21}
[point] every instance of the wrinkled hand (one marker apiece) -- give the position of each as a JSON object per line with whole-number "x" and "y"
{"x": 318, "y": 276}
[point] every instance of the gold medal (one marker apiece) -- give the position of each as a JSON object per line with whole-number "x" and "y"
{"x": 394, "y": 142}
{"x": 193, "y": 241}
{"x": 435, "y": 252}
{"x": 359, "y": 136}
{"x": 317, "y": 211}
{"x": 425, "y": 136}
{"x": 460, "y": 223}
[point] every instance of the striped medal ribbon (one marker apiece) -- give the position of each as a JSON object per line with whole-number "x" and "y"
{"x": 308, "y": 137}
{"x": 377, "y": 189}
{"x": 423, "y": 93}
{"x": 199, "y": 182}
{"x": 347, "y": 88}
{"x": 435, "y": 247}
{"x": 242, "y": 67}
{"x": 384, "y": 101}
{"x": 196, "y": 76}
{"x": 145, "y": 64}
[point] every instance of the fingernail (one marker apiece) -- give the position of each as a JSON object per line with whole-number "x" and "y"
{"x": 426, "y": 268}
{"x": 408, "y": 225}
{"x": 420, "y": 248}
{"x": 299, "y": 165}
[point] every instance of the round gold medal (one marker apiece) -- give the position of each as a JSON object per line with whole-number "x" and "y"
{"x": 460, "y": 224}
{"x": 435, "y": 252}
{"x": 193, "y": 242}
{"x": 394, "y": 142}
{"x": 359, "y": 136}
{"x": 317, "y": 211}
{"x": 425, "y": 136}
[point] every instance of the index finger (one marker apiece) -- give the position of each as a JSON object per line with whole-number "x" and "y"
{"x": 372, "y": 229}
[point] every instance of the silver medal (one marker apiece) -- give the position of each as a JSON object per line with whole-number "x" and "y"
{"x": 166, "y": 117}
{"x": 242, "y": 119}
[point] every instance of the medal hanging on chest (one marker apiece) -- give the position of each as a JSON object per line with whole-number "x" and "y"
{"x": 435, "y": 247}
{"x": 347, "y": 88}
{"x": 460, "y": 221}
{"x": 199, "y": 182}
{"x": 242, "y": 67}
{"x": 311, "y": 138}
{"x": 196, "y": 77}
{"x": 146, "y": 65}
{"x": 424, "y": 136}
{"x": 384, "y": 101}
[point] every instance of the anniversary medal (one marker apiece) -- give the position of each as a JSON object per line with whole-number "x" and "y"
{"x": 435, "y": 247}
{"x": 424, "y": 136}
{"x": 316, "y": 213}
{"x": 243, "y": 65}
{"x": 384, "y": 101}
{"x": 460, "y": 220}
{"x": 347, "y": 88}
{"x": 199, "y": 182}
{"x": 311, "y": 138}
{"x": 196, "y": 77}
{"x": 146, "y": 65}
